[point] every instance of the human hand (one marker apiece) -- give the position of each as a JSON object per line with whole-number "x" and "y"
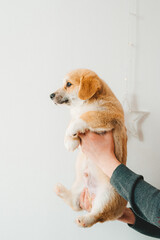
{"x": 86, "y": 204}
{"x": 128, "y": 217}
{"x": 100, "y": 149}
{"x": 86, "y": 199}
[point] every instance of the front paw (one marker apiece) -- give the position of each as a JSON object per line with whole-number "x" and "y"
{"x": 71, "y": 143}
{"x": 75, "y": 127}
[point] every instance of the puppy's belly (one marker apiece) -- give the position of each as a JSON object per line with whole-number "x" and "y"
{"x": 93, "y": 178}
{"x": 90, "y": 181}
{"x": 96, "y": 182}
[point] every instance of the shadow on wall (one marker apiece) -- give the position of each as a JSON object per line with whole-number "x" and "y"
{"x": 135, "y": 118}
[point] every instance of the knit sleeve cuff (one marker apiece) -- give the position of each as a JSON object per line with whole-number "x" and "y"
{"x": 145, "y": 227}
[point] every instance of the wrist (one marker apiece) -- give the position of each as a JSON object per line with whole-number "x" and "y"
{"x": 109, "y": 168}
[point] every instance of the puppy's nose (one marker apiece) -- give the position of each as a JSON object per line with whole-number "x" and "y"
{"x": 52, "y": 95}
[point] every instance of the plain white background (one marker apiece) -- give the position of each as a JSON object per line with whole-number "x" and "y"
{"x": 40, "y": 41}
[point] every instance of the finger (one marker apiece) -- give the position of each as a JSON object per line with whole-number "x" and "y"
{"x": 127, "y": 216}
{"x": 81, "y": 199}
{"x": 83, "y": 135}
{"x": 86, "y": 201}
{"x": 93, "y": 196}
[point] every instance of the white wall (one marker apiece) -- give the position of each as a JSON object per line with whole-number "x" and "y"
{"x": 40, "y": 41}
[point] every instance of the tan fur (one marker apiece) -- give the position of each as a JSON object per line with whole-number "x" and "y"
{"x": 89, "y": 85}
{"x": 108, "y": 117}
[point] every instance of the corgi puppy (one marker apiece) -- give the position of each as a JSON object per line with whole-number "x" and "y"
{"x": 93, "y": 107}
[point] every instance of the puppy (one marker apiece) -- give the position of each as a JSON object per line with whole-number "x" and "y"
{"x": 93, "y": 107}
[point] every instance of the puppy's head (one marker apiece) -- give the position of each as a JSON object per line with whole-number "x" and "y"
{"x": 79, "y": 85}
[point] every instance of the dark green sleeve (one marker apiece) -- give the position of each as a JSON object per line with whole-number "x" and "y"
{"x": 145, "y": 227}
{"x": 143, "y": 197}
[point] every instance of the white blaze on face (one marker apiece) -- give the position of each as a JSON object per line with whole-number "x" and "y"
{"x": 72, "y": 95}
{"x": 65, "y": 80}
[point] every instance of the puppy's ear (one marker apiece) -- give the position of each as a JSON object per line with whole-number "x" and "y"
{"x": 89, "y": 85}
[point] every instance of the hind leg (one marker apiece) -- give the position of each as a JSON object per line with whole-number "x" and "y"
{"x": 90, "y": 218}
{"x": 108, "y": 205}
{"x": 70, "y": 197}
{"x": 98, "y": 204}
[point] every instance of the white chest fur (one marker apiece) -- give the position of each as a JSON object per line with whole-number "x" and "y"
{"x": 83, "y": 107}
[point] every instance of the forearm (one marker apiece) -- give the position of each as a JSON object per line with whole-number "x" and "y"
{"x": 144, "y": 198}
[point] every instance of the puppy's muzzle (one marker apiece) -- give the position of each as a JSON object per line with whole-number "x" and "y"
{"x": 59, "y": 99}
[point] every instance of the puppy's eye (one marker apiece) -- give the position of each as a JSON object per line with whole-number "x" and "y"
{"x": 68, "y": 84}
